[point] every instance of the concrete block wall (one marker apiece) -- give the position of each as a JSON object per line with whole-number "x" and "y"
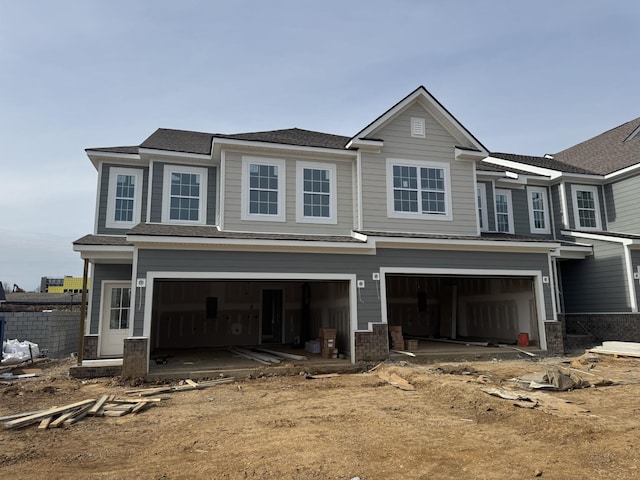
{"x": 624, "y": 327}
{"x": 57, "y": 332}
{"x": 372, "y": 346}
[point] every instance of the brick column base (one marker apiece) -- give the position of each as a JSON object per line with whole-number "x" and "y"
{"x": 555, "y": 337}
{"x": 135, "y": 363}
{"x": 90, "y": 349}
{"x": 372, "y": 346}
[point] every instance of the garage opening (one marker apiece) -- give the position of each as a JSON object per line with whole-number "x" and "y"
{"x": 489, "y": 309}
{"x": 188, "y": 314}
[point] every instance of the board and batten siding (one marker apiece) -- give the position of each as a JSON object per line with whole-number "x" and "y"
{"x": 104, "y": 272}
{"x": 622, "y": 205}
{"x": 598, "y": 283}
{"x": 157, "y": 185}
{"x": 437, "y": 146}
{"x": 232, "y": 203}
{"x": 362, "y": 265}
{"x": 103, "y": 198}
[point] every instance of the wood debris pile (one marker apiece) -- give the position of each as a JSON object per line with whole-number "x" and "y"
{"x": 105, "y": 406}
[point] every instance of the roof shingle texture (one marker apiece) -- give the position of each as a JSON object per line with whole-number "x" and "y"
{"x": 542, "y": 162}
{"x": 607, "y": 152}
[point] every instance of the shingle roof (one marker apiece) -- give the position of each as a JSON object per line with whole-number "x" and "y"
{"x": 607, "y": 152}
{"x": 179, "y": 141}
{"x": 102, "y": 240}
{"x": 197, "y": 231}
{"x": 486, "y": 236}
{"x": 490, "y": 167}
{"x": 543, "y": 162}
{"x": 294, "y": 136}
{"x": 129, "y": 149}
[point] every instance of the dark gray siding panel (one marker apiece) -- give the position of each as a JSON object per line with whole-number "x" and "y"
{"x": 598, "y": 283}
{"x": 103, "y": 198}
{"x": 520, "y": 212}
{"x": 622, "y": 205}
{"x": 556, "y": 208}
{"x": 361, "y": 265}
{"x": 156, "y": 193}
{"x": 102, "y": 272}
{"x": 491, "y": 209}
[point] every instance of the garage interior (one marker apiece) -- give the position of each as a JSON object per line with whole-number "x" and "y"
{"x": 486, "y": 309}
{"x": 218, "y": 314}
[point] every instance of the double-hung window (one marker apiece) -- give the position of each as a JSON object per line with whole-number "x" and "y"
{"x": 125, "y": 194}
{"x": 418, "y": 189}
{"x": 586, "y": 208}
{"x": 184, "y": 194}
{"x": 504, "y": 211}
{"x": 316, "y": 192}
{"x": 538, "y": 210}
{"x": 483, "y": 214}
{"x": 263, "y": 189}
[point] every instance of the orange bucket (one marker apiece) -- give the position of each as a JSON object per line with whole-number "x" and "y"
{"x": 523, "y": 340}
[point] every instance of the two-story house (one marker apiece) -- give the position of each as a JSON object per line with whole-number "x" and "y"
{"x": 214, "y": 240}
{"x": 594, "y": 190}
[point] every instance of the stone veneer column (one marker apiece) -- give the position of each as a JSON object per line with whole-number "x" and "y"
{"x": 90, "y": 349}
{"x": 555, "y": 337}
{"x": 135, "y": 363}
{"x": 372, "y": 346}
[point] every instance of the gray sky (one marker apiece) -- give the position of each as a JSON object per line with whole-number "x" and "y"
{"x": 523, "y": 77}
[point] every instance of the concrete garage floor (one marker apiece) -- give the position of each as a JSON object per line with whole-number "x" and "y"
{"x": 213, "y": 363}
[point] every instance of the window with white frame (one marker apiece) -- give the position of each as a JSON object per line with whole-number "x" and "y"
{"x": 504, "y": 211}
{"x": 316, "y": 192}
{"x": 184, "y": 194}
{"x": 263, "y": 189}
{"x": 119, "y": 310}
{"x": 124, "y": 197}
{"x": 483, "y": 215}
{"x": 418, "y": 189}
{"x": 538, "y": 210}
{"x": 586, "y": 208}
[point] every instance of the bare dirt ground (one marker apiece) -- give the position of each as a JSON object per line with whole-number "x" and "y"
{"x": 338, "y": 428}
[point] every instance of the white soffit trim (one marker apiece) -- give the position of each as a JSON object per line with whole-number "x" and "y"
{"x": 553, "y": 174}
{"x": 282, "y": 146}
{"x": 364, "y": 144}
{"x": 601, "y": 237}
{"x": 571, "y": 252}
{"x": 453, "y": 244}
{"x": 462, "y": 154}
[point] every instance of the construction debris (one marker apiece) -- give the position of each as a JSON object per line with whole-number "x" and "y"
{"x": 540, "y": 401}
{"x": 322, "y": 375}
{"x": 618, "y": 349}
{"x": 402, "y": 352}
{"x": 288, "y": 356}
{"x": 395, "y": 380}
{"x": 560, "y": 379}
{"x": 187, "y": 385}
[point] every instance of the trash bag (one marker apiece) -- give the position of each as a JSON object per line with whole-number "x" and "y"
{"x": 14, "y": 351}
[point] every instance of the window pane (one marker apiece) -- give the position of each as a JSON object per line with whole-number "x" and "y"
{"x": 316, "y": 188}
{"x": 184, "y": 203}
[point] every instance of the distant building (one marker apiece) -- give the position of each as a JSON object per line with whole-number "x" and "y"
{"x": 3, "y": 297}
{"x": 68, "y": 284}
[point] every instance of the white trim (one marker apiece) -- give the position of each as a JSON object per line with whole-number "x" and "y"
{"x": 628, "y": 264}
{"x": 535, "y": 274}
{"x": 358, "y": 195}
{"x": 96, "y": 153}
{"x": 545, "y": 209}
{"x": 221, "y": 190}
{"x": 553, "y": 285}
{"x": 152, "y": 166}
{"x": 364, "y": 144}
{"x": 562, "y": 192}
{"x": 166, "y": 193}
{"x": 418, "y": 127}
{"x": 632, "y": 135}
{"x": 138, "y": 176}
{"x": 282, "y": 186}
{"x": 507, "y": 194}
{"x": 552, "y": 174}
{"x": 351, "y": 278}
{"x": 103, "y": 298}
{"x": 622, "y": 172}
{"x": 574, "y": 198}
{"x": 169, "y": 153}
{"x": 485, "y": 208}
{"x": 98, "y": 192}
{"x": 333, "y": 192}
{"x": 217, "y": 141}
{"x": 418, "y": 164}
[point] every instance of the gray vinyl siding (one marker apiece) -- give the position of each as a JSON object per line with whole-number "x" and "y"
{"x": 556, "y": 206}
{"x": 233, "y": 202}
{"x": 597, "y": 283}
{"x": 571, "y": 216}
{"x": 102, "y": 272}
{"x": 491, "y": 206}
{"x": 438, "y": 146}
{"x": 104, "y": 198}
{"x": 369, "y": 307}
{"x": 520, "y": 212}
{"x": 622, "y": 205}
{"x": 157, "y": 184}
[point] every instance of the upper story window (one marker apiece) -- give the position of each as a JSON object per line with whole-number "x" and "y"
{"x": 504, "y": 211}
{"x": 418, "y": 189}
{"x": 263, "y": 189}
{"x": 184, "y": 194}
{"x": 538, "y": 210}
{"x": 316, "y": 192}
{"x": 586, "y": 209}
{"x": 483, "y": 215}
{"x": 125, "y": 194}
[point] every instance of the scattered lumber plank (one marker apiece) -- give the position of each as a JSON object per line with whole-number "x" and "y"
{"x": 78, "y": 415}
{"x": 518, "y": 350}
{"x": 449, "y": 340}
{"x": 322, "y": 375}
{"x": 410, "y": 354}
{"x": 247, "y": 355}
{"x": 61, "y": 419}
{"x": 395, "y": 380}
{"x": 288, "y": 356}
{"x": 189, "y": 385}
{"x": 20, "y": 415}
{"x": 191, "y": 382}
{"x": 98, "y": 405}
{"x": 44, "y": 423}
{"x": 269, "y": 359}
{"x": 37, "y": 417}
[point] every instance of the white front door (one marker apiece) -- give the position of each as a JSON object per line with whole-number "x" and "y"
{"x": 116, "y": 318}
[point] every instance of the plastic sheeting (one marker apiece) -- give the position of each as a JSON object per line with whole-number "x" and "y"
{"x": 14, "y": 351}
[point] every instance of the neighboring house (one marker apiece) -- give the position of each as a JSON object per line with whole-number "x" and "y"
{"x": 212, "y": 240}
{"x": 594, "y": 192}
{"x": 68, "y": 284}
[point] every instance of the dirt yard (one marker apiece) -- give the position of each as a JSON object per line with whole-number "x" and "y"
{"x": 352, "y": 425}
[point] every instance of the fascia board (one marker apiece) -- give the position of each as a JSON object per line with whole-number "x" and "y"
{"x": 601, "y": 237}
{"x": 123, "y": 158}
{"x": 524, "y": 166}
{"x": 281, "y": 146}
{"x": 461, "y": 154}
{"x": 452, "y": 244}
{"x": 625, "y": 172}
{"x": 169, "y": 153}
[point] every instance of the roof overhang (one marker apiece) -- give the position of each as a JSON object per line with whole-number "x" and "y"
{"x": 547, "y": 172}
{"x": 572, "y": 252}
{"x": 105, "y": 253}
{"x": 222, "y": 142}
{"x": 632, "y": 243}
{"x": 471, "y": 155}
{"x": 464, "y": 244}
{"x": 126, "y": 158}
{"x": 364, "y": 144}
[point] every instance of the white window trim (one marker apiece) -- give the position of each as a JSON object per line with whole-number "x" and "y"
{"x": 545, "y": 207}
{"x": 418, "y": 127}
{"x": 507, "y": 192}
{"x": 110, "y": 222}
{"x": 166, "y": 193}
{"x": 484, "y": 206}
{"x": 574, "y": 198}
{"x": 391, "y": 213}
{"x": 282, "y": 185}
{"x": 300, "y": 216}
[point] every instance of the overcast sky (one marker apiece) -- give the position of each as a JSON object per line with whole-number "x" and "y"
{"x": 523, "y": 77}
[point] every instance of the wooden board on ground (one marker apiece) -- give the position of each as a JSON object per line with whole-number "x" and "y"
{"x": 395, "y": 380}
{"x": 36, "y": 417}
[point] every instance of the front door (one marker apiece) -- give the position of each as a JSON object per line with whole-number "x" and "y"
{"x": 116, "y": 318}
{"x": 272, "y": 316}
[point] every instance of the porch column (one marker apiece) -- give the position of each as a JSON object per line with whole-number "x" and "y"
{"x": 135, "y": 363}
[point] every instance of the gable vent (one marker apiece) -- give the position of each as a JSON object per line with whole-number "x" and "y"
{"x": 417, "y": 127}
